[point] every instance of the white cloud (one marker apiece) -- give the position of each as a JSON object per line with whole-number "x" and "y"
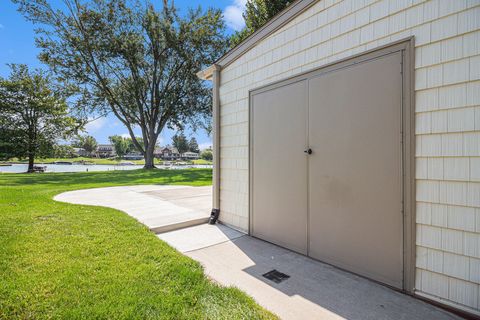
{"x": 125, "y": 135}
{"x": 95, "y": 125}
{"x": 233, "y": 14}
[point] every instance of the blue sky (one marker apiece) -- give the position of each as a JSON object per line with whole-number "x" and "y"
{"x": 17, "y": 45}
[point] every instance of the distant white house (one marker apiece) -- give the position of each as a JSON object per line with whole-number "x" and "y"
{"x": 157, "y": 153}
{"x": 133, "y": 156}
{"x": 190, "y": 156}
{"x": 80, "y": 152}
{"x": 169, "y": 153}
{"x": 105, "y": 151}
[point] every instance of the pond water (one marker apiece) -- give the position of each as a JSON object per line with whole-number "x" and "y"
{"x": 18, "y": 168}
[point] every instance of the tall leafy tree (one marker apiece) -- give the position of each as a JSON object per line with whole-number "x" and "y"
{"x": 33, "y": 115}
{"x": 122, "y": 145}
{"x": 180, "y": 142}
{"x": 207, "y": 154}
{"x": 257, "y": 13}
{"x": 63, "y": 151}
{"x": 88, "y": 143}
{"x": 128, "y": 58}
{"x": 193, "y": 145}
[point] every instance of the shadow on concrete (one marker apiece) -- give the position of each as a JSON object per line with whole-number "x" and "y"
{"x": 342, "y": 293}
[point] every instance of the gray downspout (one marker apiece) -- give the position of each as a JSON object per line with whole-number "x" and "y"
{"x": 216, "y": 144}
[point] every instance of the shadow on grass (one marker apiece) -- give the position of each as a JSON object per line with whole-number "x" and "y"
{"x": 124, "y": 177}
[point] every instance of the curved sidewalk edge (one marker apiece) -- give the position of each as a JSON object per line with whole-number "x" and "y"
{"x": 161, "y": 208}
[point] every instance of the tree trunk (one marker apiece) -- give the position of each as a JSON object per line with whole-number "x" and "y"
{"x": 31, "y": 158}
{"x": 149, "y": 158}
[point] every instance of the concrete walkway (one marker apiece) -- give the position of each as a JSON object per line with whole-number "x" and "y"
{"x": 314, "y": 290}
{"x": 161, "y": 208}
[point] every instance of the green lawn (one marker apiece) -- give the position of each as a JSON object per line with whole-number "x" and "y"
{"x": 62, "y": 261}
{"x": 202, "y": 161}
{"x": 101, "y": 161}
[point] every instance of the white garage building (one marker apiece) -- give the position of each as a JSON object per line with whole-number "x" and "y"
{"x": 349, "y": 131}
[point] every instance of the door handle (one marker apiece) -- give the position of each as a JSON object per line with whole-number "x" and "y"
{"x": 309, "y": 151}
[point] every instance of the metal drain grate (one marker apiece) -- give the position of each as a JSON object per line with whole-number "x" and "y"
{"x": 276, "y": 276}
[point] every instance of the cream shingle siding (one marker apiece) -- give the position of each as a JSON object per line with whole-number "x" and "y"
{"x": 447, "y": 85}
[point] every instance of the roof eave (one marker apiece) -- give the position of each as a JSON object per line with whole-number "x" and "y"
{"x": 207, "y": 74}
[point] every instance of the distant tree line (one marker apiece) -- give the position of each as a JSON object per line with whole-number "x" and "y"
{"x": 123, "y": 145}
{"x": 183, "y": 145}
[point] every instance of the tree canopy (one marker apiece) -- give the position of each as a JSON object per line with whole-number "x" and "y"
{"x": 257, "y": 13}
{"x": 63, "y": 151}
{"x": 193, "y": 145}
{"x": 87, "y": 142}
{"x": 121, "y": 145}
{"x": 207, "y": 154}
{"x": 130, "y": 59}
{"x": 180, "y": 142}
{"x": 33, "y": 115}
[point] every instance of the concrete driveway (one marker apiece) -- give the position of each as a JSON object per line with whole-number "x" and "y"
{"x": 161, "y": 208}
{"x": 314, "y": 290}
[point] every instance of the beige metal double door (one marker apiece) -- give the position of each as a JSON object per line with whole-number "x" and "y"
{"x": 341, "y": 203}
